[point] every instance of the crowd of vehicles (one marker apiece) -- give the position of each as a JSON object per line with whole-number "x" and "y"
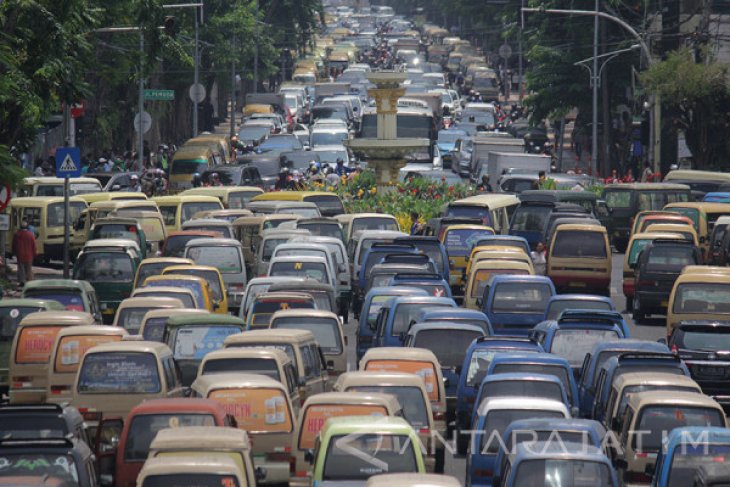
{"x": 203, "y": 337}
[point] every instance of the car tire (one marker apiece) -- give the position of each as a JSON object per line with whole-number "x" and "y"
{"x": 638, "y": 314}
{"x": 440, "y": 460}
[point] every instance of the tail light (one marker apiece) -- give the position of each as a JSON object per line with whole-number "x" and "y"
{"x": 424, "y": 431}
{"x": 59, "y": 389}
{"x": 22, "y": 381}
{"x": 675, "y": 349}
{"x": 439, "y": 416}
{"x": 90, "y": 414}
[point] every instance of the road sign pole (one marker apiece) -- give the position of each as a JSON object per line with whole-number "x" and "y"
{"x": 66, "y": 236}
{"x": 140, "y": 102}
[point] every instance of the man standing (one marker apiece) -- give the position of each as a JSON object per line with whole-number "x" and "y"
{"x": 24, "y": 251}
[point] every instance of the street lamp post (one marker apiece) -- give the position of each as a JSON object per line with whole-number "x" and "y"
{"x": 655, "y": 120}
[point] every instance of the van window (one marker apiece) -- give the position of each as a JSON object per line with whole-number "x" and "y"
{"x": 105, "y": 267}
{"x": 325, "y": 331}
{"x": 572, "y": 471}
{"x": 153, "y": 229}
{"x": 154, "y": 329}
{"x": 145, "y": 427}
{"x": 673, "y": 258}
{"x": 131, "y": 318}
{"x": 406, "y": 312}
{"x": 284, "y": 347}
{"x": 481, "y": 278}
{"x": 459, "y": 242}
{"x": 425, "y": 370}
{"x": 169, "y": 214}
{"x": 30, "y": 465}
{"x": 618, "y": 198}
{"x": 447, "y": 344}
{"x": 71, "y": 349}
{"x": 469, "y": 211}
{"x": 226, "y": 258}
{"x": 636, "y": 248}
{"x": 635, "y": 389}
{"x": 530, "y": 218}
{"x": 655, "y": 421}
{"x": 33, "y": 426}
{"x": 256, "y": 410}
{"x": 10, "y": 318}
{"x": 410, "y": 398}
{"x": 211, "y": 278}
{"x": 309, "y": 361}
{"x": 689, "y": 457}
{"x": 193, "y": 286}
{"x": 525, "y": 388}
{"x": 194, "y": 342}
{"x": 190, "y": 480}
{"x": 238, "y": 199}
{"x": 520, "y": 297}
{"x": 168, "y": 365}
{"x": 150, "y": 269}
{"x": 573, "y": 345}
{"x": 270, "y": 245}
{"x": 373, "y": 223}
{"x": 191, "y": 208}
{"x": 224, "y": 230}
{"x": 187, "y": 300}
{"x": 357, "y": 457}
{"x": 119, "y": 373}
{"x": 315, "y": 416}
{"x": 498, "y": 420}
{"x": 579, "y": 244}
{"x": 54, "y": 217}
{"x": 327, "y": 204}
{"x": 702, "y": 297}
{"x": 117, "y": 230}
{"x": 538, "y": 368}
{"x": 263, "y": 366}
{"x": 35, "y": 343}
{"x": 310, "y": 270}
{"x": 71, "y": 299}
{"x": 33, "y": 215}
{"x": 557, "y": 307}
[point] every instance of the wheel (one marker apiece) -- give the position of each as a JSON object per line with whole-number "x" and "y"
{"x": 638, "y": 314}
{"x": 620, "y": 245}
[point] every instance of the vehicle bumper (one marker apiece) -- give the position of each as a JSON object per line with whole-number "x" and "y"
{"x": 580, "y": 282}
{"x": 628, "y": 288}
{"x": 653, "y": 300}
{"x": 276, "y": 472}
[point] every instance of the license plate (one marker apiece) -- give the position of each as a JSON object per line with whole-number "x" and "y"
{"x": 664, "y": 303}
{"x": 578, "y": 284}
{"x": 710, "y": 371}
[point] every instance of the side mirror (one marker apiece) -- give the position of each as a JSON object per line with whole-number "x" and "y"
{"x": 574, "y": 411}
{"x": 260, "y": 473}
{"x": 447, "y": 383}
{"x": 309, "y": 457}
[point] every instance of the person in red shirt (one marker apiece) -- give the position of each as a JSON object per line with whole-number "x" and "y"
{"x": 24, "y": 252}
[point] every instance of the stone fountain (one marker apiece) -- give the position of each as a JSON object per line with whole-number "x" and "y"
{"x": 386, "y": 153}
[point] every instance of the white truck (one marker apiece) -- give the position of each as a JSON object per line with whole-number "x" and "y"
{"x": 483, "y": 145}
{"x": 498, "y": 162}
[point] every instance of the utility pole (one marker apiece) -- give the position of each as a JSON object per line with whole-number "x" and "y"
{"x": 520, "y": 68}
{"x": 594, "y": 128}
{"x": 196, "y": 76}
{"x": 140, "y": 102}
{"x": 256, "y": 51}
{"x": 233, "y": 92}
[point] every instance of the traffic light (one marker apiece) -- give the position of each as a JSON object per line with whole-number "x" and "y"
{"x": 169, "y": 26}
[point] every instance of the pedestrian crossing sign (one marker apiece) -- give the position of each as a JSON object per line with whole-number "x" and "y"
{"x": 68, "y": 162}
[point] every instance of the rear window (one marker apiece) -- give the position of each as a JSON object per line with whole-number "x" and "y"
{"x": 194, "y": 342}
{"x": 525, "y": 388}
{"x": 273, "y": 305}
{"x": 448, "y": 345}
{"x": 520, "y": 297}
{"x": 10, "y": 318}
{"x": 373, "y": 223}
{"x": 239, "y": 199}
{"x": 211, "y": 278}
{"x": 702, "y": 297}
{"x": 557, "y": 307}
{"x": 315, "y": 416}
{"x": 629, "y": 390}
{"x": 224, "y": 230}
{"x": 154, "y": 328}
{"x": 131, "y": 318}
{"x": 326, "y": 331}
{"x": 154, "y": 230}
{"x": 35, "y": 343}
{"x": 270, "y": 245}
{"x": 530, "y": 218}
{"x": 471, "y": 212}
{"x": 573, "y": 345}
{"x": 189, "y": 209}
{"x": 145, "y": 427}
{"x": 459, "y": 242}
{"x": 190, "y": 480}
{"x": 31, "y": 468}
{"x": 410, "y": 398}
{"x": 579, "y": 244}
{"x": 655, "y": 421}
{"x": 261, "y": 410}
{"x": 187, "y": 300}
{"x": 481, "y": 278}
{"x": 497, "y": 421}
{"x": 152, "y": 269}
{"x": 227, "y": 259}
{"x": 425, "y": 370}
{"x": 32, "y": 426}
{"x": 188, "y": 167}
{"x": 618, "y": 198}
{"x": 539, "y": 368}
{"x": 104, "y": 267}
{"x": 71, "y": 348}
{"x": 322, "y": 229}
{"x": 55, "y": 213}
{"x": 406, "y": 312}
{"x": 193, "y": 286}
{"x": 310, "y": 270}
{"x": 263, "y": 366}
{"x": 284, "y": 347}
{"x": 329, "y": 205}
{"x": 71, "y": 300}
{"x": 708, "y": 339}
{"x": 119, "y": 373}
{"x": 670, "y": 258}
{"x": 175, "y": 246}
{"x": 117, "y": 230}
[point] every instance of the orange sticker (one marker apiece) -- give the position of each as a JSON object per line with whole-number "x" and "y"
{"x": 35, "y": 343}
{"x": 71, "y": 350}
{"x": 315, "y": 417}
{"x": 256, "y": 410}
{"x": 425, "y": 370}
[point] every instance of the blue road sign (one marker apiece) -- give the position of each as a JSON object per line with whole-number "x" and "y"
{"x": 68, "y": 162}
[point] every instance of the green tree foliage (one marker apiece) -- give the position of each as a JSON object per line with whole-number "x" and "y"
{"x": 699, "y": 97}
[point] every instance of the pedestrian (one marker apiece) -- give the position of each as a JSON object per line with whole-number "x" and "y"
{"x": 538, "y": 258}
{"x": 24, "y": 251}
{"x": 646, "y": 174}
{"x": 135, "y": 185}
{"x": 484, "y": 186}
{"x": 543, "y": 182}
{"x": 416, "y": 227}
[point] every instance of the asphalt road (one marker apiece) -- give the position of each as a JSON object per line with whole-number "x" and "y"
{"x": 653, "y": 329}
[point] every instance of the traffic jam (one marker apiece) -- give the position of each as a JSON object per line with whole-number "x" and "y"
{"x": 241, "y": 327}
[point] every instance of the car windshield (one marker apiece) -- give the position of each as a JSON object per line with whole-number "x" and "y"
{"x": 119, "y": 373}
{"x": 373, "y": 223}
{"x": 144, "y": 428}
{"x": 702, "y": 298}
{"x": 520, "y": 297}
{"x": 655, "y": 421}
{"x": 579, "y": 244}
{"x": 325, "y": 330}
{"x": 131, "y": 318}
{"x": 117, "y": 230}
{"x": 406, "y": 312}
{"x": 72, "y": 300}
{"x": 411, "y": 399}
{"x": 211, "y": 277}
{"x": 635, "y": 389}
{"x": 226, "y": 258}
{"x": 574, "y": 344}
{"x": 194, "y": 287}
{"x": 527, "y": 388}
{"x": 191, "y": 208}
{"x": 32, "y": 426}
{"x": 279, "y": 143}
{"x": 195, "y": 341}
{"x": 480, "y": 360}
{"x": 467, "y": 211}
{"x": 55, "y": 213}
{"x": 310, "y": 270}
{"x": 618, "y": 198}
{"x": 670, "y": 258}
{"x": 447, "y": 344}
{"x": 558, "y": 306}
{"x": 104, "y": 267}
{"x": 563, "y": 473}
{"x": 558, "y": 371}
{"x": 710, "y": 339}
{"x": 45, "y": 468}
{"x": 530, "y": 218}
{"x": 360, "y": 456}
{"x": 190, "y": 480}
{"x": 328, "y": 138}
{"x": 450, "y": 136}
{"x": 459, "y": 242}
{"x": 687, "y": 458}
{"x": 251, "y": 365}
{"x": 499, "y": 419}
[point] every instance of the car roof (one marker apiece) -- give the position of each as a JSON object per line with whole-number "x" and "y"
{"x": 399, "y": 353}
{"x": 534, "y": 358}
{"x": 213, "y": 242}
{"x": 370, "y": 424}
{"x": 92, "y": 330}
{"x": 444, "y": 325}
{"x": 131, "y": 346}
{"x": 354, "y": 398}
{"x": 30, "y": 303}
{"x": 190, "y": 464}
{"x": 674, "y": 398}
{"x": 655, "y": 378}
{"x": 378, "y": 378}
{"x": 201, "y": 437}
{"x": 231, "y": 380}
{"x": 412, "y": 480}
{"x": 558, "y": 450}
{"x": 57, "y": 284}
{"x": 177, "y": 405}
{"x": 281, "y": 335}
{"x": 205, "y": 319}
{"x": 512, "y": 403}
{"x": 304, "y": 313}
{"x": 260, "y": 353}
{"x": 58, "y": 317}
